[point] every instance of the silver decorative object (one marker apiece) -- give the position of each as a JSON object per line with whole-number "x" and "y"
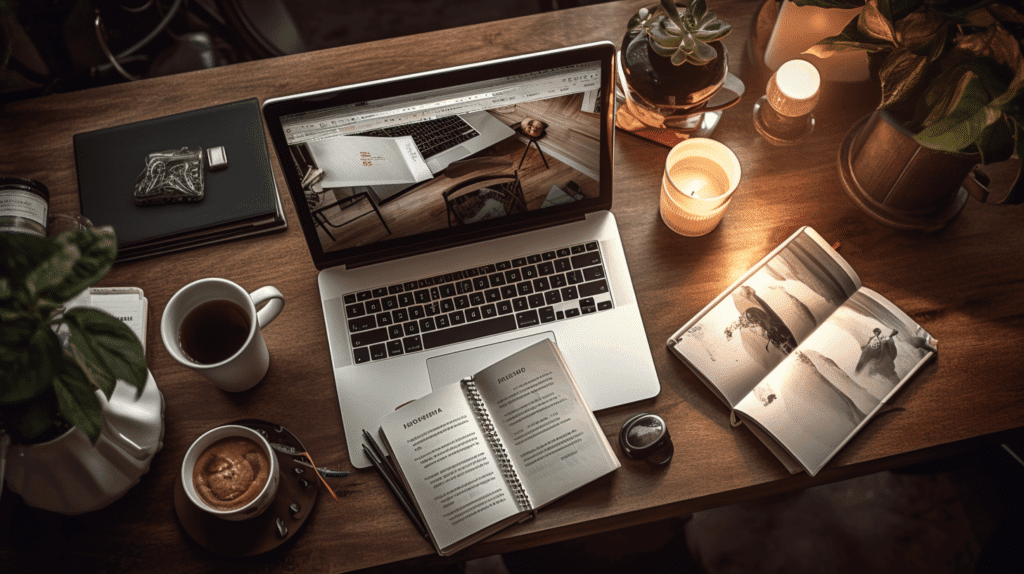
{"x": 171, "y": 176}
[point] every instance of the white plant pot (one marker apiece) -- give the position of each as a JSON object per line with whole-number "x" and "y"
{"x": 70, "y": 475}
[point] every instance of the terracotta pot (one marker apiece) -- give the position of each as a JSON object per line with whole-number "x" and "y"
{"x": 900, "y": 183}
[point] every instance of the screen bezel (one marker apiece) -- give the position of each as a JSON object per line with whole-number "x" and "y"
{"x": 277, "y": 108}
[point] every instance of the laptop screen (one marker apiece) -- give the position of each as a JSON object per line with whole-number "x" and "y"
{"x": 400, "y": 166}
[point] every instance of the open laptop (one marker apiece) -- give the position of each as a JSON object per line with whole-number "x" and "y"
{"x": 490, "y": 254}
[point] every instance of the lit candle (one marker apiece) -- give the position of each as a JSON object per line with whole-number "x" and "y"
{"x": 700, "y": 178}
{"x": 783, "y": 115}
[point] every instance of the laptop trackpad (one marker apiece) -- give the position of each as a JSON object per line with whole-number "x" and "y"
{"x": 453, "y": 367}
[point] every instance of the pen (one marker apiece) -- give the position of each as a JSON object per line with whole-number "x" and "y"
{"x": 391, "y": 470}
{"x": 394, "y": 489}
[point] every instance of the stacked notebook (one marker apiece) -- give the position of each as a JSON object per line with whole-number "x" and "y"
{"x": 240, "y": 201}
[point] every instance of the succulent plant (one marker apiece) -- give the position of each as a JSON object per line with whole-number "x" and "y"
{"x": 682, "y": 37}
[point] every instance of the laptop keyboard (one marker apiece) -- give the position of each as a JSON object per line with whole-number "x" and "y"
{"x": 504, "y": 296}
{"x": 432, "y": 136}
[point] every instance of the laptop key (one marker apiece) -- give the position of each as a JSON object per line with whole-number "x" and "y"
{"x": 422, "y": 296}
{"x": 411, "y": 285}
{"x": 569, "y": 293}
{"x": 355, "y": 310}
{"x": 563, "y": 252}
{"x": 518, "y": 262}
{"x": 504, "y": 307}
{"x": 383, "y": 291}
{"x": 527, "y": 319}
{"x": 480, "y": 283}
{"x": 350, "y": 298}
{"x": 469, "y": 331}
{"x": 541, "y": 284}
{"x": 378, "y": 351}
{"x": 427, "y": 324}
{"x": 587, "y": 259}
{"x": 473, "y": 314}
{"x": 384, "y": 319}
{"x": 389, "y": 303}
{"x": 442, "y": 321}
{"x": 520, "y": 304}
{"x": 448, "y": 290}
{"x": 362, "y": 323}
{"x": 364, "y": 295}
{"x": 512, "y": 275}
{"x": 400, "y": 315}
{"x": 548, "y": 256}
{"x": 557, "y": 281}
{"x": 562, "y": 265}
{"x": 593, "y": 288}
{"x": 412, "y": 344}
{"x": 435, "y": 293}
{"x": 406, "y": 299}
{"x": 416, "y": 312}
{"x": 395, "y": 348}
{"x": 464, "y": 286}
{"x": 492, "y": 295}
{"x": 476, "y": 298}
{"x": 592, "y": 246}
{"x": 503, "y": 265}
{"x": 572, "y": 313}
{"x": 552, "y": 297}
{"x": 508, "y": 291}
{"x": 447, "y": 305}
{"x": 457, "y": 318}
{"x": 604, "y": 305}
{"x": 546, "y": 268}
{"x": 588, "y": 310}
{"x": 373, "y": 306}
{"x": 365, "y": 338}
{"x": 411, "y": 328}
{"x": 395, "y": 331}
{"x": 536, "y": 300}
{"x": 592, "y": 273}
{"x": 578, "y": 249}
{"x": 524, "y": 288}
{"x": 361, "y": 355}
{"x": 462, "y": 302}
{"x": 529, "y": 272}
{"x": 497, "y": 279}
{"x": 534, "y": 259}
{"x": 489, "y": 311}
{"x": 547, "y": 314}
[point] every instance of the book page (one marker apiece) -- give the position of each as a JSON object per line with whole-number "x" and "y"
{"x": 124, "y": 303}
{"x": 447, "y": 462}
{"x": 352, "y": 161}
{"x": 753, "y": 325}
{"x": 547, "y": 429}
{"x": 837, "y": 379}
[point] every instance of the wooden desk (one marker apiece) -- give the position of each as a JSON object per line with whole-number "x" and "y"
{"x": 963, "y": 284}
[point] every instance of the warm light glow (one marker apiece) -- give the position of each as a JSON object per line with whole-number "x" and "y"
{"x": 793, "y": 90}
{"x": 798, "y": 79}
{"x": 700, "y": 178}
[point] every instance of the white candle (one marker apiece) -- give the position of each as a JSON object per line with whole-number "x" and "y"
{"x": 793, "y": 90}
{"x": 700, "y": 178}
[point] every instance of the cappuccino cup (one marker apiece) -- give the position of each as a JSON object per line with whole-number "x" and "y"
{"x": 214, "y": 327}
{"x": 231, "y": 472}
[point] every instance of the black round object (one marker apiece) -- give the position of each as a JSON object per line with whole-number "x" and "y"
{"x": 645, "y": 437}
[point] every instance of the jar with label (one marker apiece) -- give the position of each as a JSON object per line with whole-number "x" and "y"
{"x": 24, "y": 204}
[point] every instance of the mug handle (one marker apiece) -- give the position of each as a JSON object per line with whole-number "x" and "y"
{"x": 732, "y": 90}
{"x": 274, "y": 303}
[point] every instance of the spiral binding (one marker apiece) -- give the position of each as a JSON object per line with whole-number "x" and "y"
{"x": 504, "y": 462}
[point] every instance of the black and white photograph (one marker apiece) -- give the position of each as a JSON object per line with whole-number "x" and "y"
{"x": 761, "y": 321}
{"x": 818, "y": 397}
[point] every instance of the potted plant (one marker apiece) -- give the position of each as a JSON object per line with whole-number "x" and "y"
{"x": 60, "y": 373}
{"x": 673, "y": 62}
{"x": 952, "y": 93}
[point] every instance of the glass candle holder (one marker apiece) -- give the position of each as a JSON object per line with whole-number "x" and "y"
{"x": 700, "y": 178}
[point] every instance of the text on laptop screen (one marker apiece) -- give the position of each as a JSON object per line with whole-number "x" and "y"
{"x": 400, "y": 166}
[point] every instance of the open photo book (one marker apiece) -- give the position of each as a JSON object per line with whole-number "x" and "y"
{"x": 487, "y": 452}
{"x": 801, "y": 352}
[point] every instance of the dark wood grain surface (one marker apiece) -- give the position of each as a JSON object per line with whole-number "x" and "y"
{"x": 964, "y": 284}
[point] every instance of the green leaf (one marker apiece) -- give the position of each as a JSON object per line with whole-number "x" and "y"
{"x": 997, "y": 141}
{"x": 669, "y": 6}
{"x": 875, "y": 23}
{"x": 965, "y": 124}
{"x": 27, "y": 420}
{"x": 20, "y": 253}
{"x": 698, "y": 9}
{"x": 901, "y": 74}
{"x": 35, "y": 372}
{"x": 77, "y": 400}
{"x": 923, "y": 33}
{"x": 851, "y": 38}
{"x": 83, "y": 257}
{"x": 106, "y": 349}
{"x": 660, "y": 36}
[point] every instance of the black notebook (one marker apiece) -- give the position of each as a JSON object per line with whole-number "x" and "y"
{"x": 239, "y": 201}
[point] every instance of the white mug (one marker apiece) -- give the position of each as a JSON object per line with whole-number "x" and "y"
{"x": 249, "y": 364}
{"x": 262, "y": 500}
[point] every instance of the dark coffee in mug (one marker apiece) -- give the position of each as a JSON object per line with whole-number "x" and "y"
{"x": 214, "y": 331}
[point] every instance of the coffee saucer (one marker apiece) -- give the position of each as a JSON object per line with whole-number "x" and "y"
{"x": 295, "y": 498}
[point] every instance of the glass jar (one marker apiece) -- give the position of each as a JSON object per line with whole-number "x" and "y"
{"x": 24, "y": 205}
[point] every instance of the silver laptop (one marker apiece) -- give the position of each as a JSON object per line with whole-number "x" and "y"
{"x": 511, "y": 243}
